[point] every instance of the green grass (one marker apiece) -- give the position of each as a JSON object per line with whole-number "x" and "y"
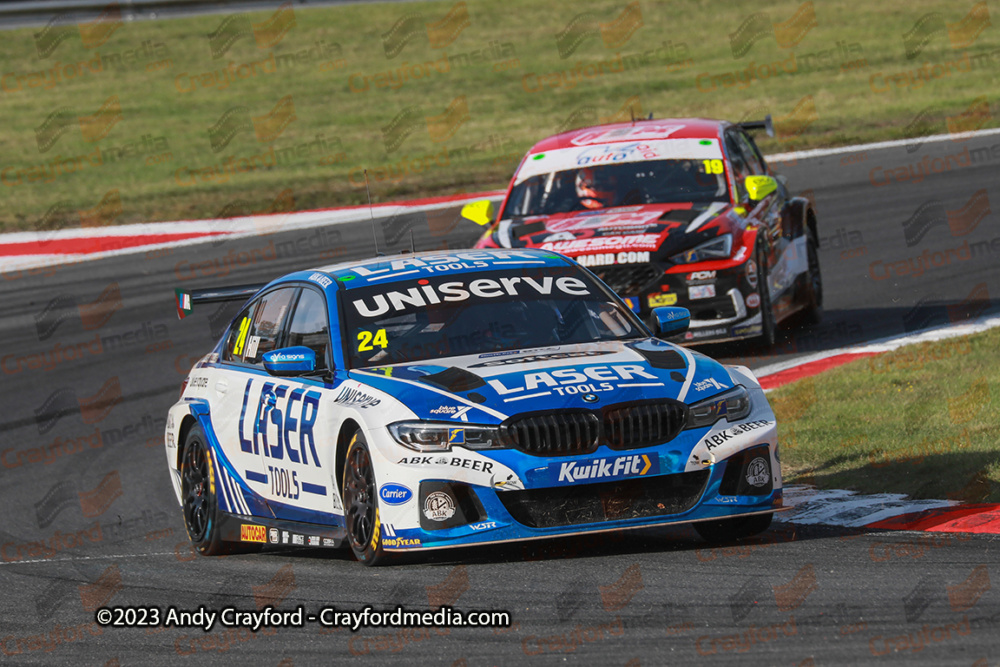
{"x": 834, "y": 105}
{"x": 891, "y": 424}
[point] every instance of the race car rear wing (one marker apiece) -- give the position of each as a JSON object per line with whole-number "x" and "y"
{"x": 765, "y": 125}
{"x": 185, "y": 300}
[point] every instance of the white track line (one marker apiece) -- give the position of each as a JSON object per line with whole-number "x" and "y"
{"x": 983, "y": 323}
{"x": 878, "y": 145}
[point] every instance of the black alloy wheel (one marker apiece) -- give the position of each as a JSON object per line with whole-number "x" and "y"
{"x": 361, "y": 504}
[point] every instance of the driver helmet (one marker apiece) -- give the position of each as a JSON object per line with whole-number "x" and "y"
{"x": 595, "y": 188}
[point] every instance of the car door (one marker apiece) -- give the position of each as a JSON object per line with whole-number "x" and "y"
{"x": 236, "y": 397}
{"x": 295, "y": 420}
{"x": 787, "y": 256}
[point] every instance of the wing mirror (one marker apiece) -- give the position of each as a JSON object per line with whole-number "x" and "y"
{"x": 671, "y": 320}
{"x": 480, "y": 212}
{"x": 290, "y": 361}
{"x": 759, "y": 187}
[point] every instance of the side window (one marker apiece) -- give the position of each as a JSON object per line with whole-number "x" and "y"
{"x": 310, "y": 326}
{"x": 738, "y": 163}
{"x": 267, "y": 323}
{"x": 750, "y": 155}
{"x": 239, "y": 332}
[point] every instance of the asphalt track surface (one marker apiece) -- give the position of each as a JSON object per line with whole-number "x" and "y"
{"x": 89, "y": 517}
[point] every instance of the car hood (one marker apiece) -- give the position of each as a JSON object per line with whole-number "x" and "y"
{"x": 488, "y": 388}
{"x": 659, "y": 229}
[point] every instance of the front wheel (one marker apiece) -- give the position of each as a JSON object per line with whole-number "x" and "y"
{"x": 728, "y": 530}
{"x": 361, "y": 504}
{"x": 198, "y": 495}
{"x": 768, "y": 326}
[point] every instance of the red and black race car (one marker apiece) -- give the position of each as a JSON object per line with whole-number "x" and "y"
{"x": 669, "y": 212}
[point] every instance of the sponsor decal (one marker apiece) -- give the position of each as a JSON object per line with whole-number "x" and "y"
{"x": 710, "y": 383}
{"x": 272, "y": 535}
{"x": 701, "y": 275}
{"x": 701, "y": 292}
{"x": 634, "y": 133}
{"x": 454, "y": 461}
{"x": 748, "y": 330}
{"x": 705, "y": 333}
{"x": 613, "y": 467}
{"x": 541, "y": 357}
{"x": 320, "y": 279}
{"x": 715, "y": 439}
{"x": 280, "y": 418}
{"x": 329, "y": 542}
{"x": 609, "y": 153}
{"x": 753, "y": 300}
{"x": 566, "y": 381}
{"x": 395, "y": 494}
{"x": 484, "y": 525}
{"x": 616, "y": 219}
{"x": 573, "y": 246}
{"x": 482, "y": 288}
{"x": 282, "y": 356}
{"x": 356, "y": 397}
{"x": 444, "y": 410}
{"x": 251, "y": 533}
{"x": 487, "y": 355}
{"x": 610, "y": 258}
{"x": 313, "y": 540}
{"x": 284, "y": 537}
{"x": 456, "y": 436}
{"x": 438, "y": 263}
{"x": 439, "y": 506}
{"x": 299, "y": 539}
{"x": 757, "y": 472}
{"x": 391, "y": 540}
{"x": 657, "y": 300}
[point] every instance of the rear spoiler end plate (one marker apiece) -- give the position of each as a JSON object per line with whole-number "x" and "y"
{"x": 767, "y": 125}
{"x": 185, "y": 300}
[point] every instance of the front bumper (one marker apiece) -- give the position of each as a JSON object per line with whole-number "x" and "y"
{"x": 724, "y": 303}
{"x": 495, "y": 516}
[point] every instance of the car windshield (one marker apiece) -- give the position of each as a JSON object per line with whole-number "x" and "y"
{"x": 623, "y": 184}
{"x": 476, "y": 313}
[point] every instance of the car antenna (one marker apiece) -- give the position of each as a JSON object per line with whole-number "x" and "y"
{"x": 631, "y": 112}
{"x": 413, "y": 250}
{"x": 371, "y": 212}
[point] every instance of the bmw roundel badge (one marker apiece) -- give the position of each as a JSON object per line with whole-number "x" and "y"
{"x": 590, "y": 398}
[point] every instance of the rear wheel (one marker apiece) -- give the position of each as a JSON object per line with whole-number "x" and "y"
{"x": 198, "y": 495}
{"x": 814, "y": 309}
{"x": 361, "y": 504}
{"x": 728, "y": 530}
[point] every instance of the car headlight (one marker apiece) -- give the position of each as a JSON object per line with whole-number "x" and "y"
{"x": 733, "y": 404}
{"x": 718, "y": 248}
{"x": 437, "y": 437}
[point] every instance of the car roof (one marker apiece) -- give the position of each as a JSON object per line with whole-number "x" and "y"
{"x": 390, "y": 269}
{"x": 663, "y": 128}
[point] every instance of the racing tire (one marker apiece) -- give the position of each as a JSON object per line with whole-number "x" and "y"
{"x": 769, "y": 327}
{"x": 364, "y": 529}
{"x": 813, "y": 312}
{"x": 729, "y": 530}
{"x": 198, "y": 500}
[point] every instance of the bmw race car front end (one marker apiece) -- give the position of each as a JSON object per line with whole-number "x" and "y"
{"x": 575, "y": 471}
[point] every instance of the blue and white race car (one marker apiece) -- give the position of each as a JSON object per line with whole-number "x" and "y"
{"x": 436, "y": 400}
